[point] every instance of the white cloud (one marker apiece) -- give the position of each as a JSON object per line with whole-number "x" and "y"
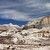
{"x": 40, "y": 4}
{"x": 33, "y": 3}
{"x": 16, "y": 15}
{"x": 47, "y": 5}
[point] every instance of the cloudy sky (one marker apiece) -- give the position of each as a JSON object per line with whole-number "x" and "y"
{"x": 24, "y": 10}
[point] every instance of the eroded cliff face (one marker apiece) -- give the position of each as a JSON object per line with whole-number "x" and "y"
{"x": 32, "y": 24}
{"x": 45, "y": 21}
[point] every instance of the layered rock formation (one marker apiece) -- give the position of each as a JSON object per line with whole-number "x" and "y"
{"x": 30, "y": 25}
{"x": 45, "y": 21}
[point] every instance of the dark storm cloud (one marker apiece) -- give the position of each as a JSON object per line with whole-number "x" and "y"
{"x": 24, "y": 9}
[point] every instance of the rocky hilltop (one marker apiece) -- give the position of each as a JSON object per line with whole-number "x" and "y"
{"x": 45, "y": 21}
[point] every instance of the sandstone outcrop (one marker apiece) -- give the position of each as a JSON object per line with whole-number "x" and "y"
{"x": 45, "y": 21}
{"x": 31, "y": 25}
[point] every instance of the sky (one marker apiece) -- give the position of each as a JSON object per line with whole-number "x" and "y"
{"x": 23, "y": 10}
